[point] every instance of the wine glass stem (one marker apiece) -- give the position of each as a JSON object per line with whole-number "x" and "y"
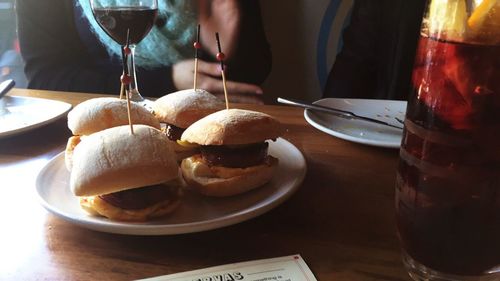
{"x": 133, "y": 88}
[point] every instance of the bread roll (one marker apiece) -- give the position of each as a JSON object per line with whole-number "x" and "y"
{"x": 222, "y": 181}
{"x": 68, "y": 152}
{"x": 113, "y": 160}
{"x": 231, "y": 127}
{"x": 237, "y": 128}
{"x": 96, "y": 206}
{"x": 102, "y": 113}
{"x": 185, "y": 107}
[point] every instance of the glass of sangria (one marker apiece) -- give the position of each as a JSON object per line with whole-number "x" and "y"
{"x": 448, "y": 180}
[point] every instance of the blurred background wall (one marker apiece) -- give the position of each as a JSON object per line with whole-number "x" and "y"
{"x": 305, "y": 37}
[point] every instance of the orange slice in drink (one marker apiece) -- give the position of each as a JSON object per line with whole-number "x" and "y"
{"x": 479, "y": 15}
{"x": 484, "y": 22}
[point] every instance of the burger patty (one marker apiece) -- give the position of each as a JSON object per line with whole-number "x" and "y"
{"x": 174, "y": 133}
{"x": 236, "y": 156}
{"x": 140, "y": 198}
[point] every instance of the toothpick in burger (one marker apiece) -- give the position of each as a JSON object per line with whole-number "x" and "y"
{"x": 233, "y": 145}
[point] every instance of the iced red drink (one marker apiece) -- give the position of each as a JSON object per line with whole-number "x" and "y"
{"x": 448, "y": 183}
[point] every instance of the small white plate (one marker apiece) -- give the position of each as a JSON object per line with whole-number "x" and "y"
{"x": 196, "y": 213}
{"x": 21, "y": 114}
{"x": 357, "y": 130}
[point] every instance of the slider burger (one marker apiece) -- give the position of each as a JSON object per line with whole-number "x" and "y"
{"x": 124, "y": 176}
{"x": 233, "y": 156}
{"x": 181, "y": 109}
{"x": 97, "y": 114}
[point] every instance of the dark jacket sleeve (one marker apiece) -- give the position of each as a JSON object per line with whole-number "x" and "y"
{"x": 56, "y": 58}
{"x": 252, "y": 60}
{"x": 354, "y": 73}
{"x": 379, "y": 47}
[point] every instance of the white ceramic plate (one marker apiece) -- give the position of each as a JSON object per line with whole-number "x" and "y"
{"x": 21, "y": 114}
{"x": 361, "y": 131}
{"x": 196, "y": 213}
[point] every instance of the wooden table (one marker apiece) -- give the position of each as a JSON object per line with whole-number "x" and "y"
{"x": 341, "y": 220}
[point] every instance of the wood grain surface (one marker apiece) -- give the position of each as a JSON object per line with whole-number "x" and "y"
{"x": 341, "y": 220}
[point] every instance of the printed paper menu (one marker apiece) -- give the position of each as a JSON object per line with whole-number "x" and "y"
{"x": 288, "y": 268}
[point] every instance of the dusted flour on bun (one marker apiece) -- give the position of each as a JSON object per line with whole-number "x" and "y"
{"x": 233, "y": 148}
{"x": 185, "y": 107}
{"x": 97, "y": 114}
{"x": 126, "y": 176}
{"x": 181, "y": 109}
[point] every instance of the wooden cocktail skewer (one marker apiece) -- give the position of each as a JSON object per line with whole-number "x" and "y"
{"x": 220, "y": 57}
{"x": 197, "y": 46}
{"x": 125, "y": 52}
{"x": 122, "y": 87}
{"x": 128, "y": 111}
{"x": 126, "y": 79}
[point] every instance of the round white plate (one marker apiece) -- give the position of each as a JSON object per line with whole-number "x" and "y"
{"x": 361, "y": 131}
{"x": 21, "y": 114}
{"x": 196, "y": 213}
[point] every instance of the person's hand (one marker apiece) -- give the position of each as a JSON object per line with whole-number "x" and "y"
{"x": 209, "y": 79}
{"x": 222, "y": 16}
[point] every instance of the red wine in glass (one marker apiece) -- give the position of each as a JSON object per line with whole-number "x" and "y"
{"x": 135, "y": 17}
{"x": 115, "y": 21}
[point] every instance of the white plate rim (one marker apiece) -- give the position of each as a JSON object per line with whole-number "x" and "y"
{"x": 66, "y": 107}
{"x": 104, "y": 225}
{"x": 339, "y": 134}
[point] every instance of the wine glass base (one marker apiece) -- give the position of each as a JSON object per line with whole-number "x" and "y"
{"x": 420, "y": 272}
{"x": 135, "y": 96}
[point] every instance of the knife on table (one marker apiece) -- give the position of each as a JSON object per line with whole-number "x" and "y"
{"x": 5, "y": 87}
{"x": 334, "y": 111}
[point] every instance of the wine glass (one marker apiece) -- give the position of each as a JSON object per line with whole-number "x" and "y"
{"x": 132, "y": 17}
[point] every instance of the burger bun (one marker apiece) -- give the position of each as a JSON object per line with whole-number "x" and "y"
{"x": 183, "y": 108}
{"x": 223, "y": 181}
{"x": 232, "y": 127}
{"x": 101, "y": 113}
{"x": 114, "y": 159}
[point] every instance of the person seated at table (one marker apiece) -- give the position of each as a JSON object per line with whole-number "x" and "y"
{"x": 65, "y": 49}
{"x": 378, "y": 50}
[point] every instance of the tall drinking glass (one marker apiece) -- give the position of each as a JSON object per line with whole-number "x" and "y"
{"x": 117, "y": 18}
{"x": 448, "y": 182}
